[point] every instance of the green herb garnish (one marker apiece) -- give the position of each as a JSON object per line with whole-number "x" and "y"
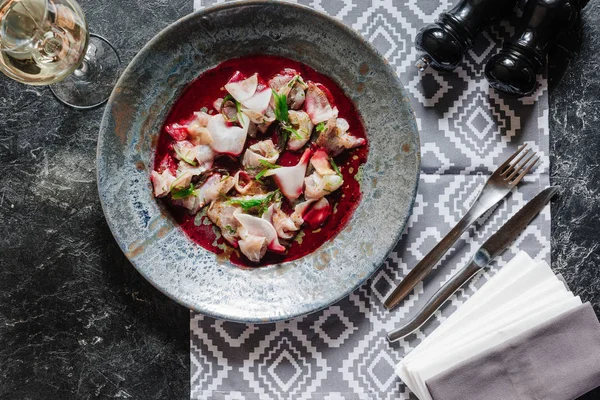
{"x": 247, "y": 204}
{"x": 320, "y": 127}
{"x": 295, "y": 79}
{"x": 182, "y": 157}
{"x": 181, "y": 193}
{"x": 227, "y": 98}
{"x": 230, "y": 229}
{"x": 260, "y": 204}
{"x": 281, "y": 107}
{"x": 268, "y": 164}
{"x": 335, "y": 167}
{"x": 261, "y": 174}
{"x": 293, "y": 131}
{"x": 238, "y": 107}
{"x": 225, "y": 176}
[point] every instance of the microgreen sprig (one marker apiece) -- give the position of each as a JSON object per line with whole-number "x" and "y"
{"x": 281, "y": 107}
{"x": 181, "y": 193}
{"x": 320, "y": 127}
{"x": 267, "y": 166}
{"x": 260, "y": 204}
{"x": 182, "y": 157}
{"x": 335, "y": 167}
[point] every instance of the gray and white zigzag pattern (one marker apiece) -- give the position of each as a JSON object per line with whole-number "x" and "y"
{"x": 466, "y": 130}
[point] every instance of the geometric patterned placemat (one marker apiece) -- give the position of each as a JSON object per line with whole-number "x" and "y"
{"x": 467, "y": 129}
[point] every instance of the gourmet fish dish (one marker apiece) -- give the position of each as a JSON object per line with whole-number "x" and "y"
{"x": 259, "y": 160}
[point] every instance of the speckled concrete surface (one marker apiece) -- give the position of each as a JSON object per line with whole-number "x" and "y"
{"x": 78, "y": 322}
{"x": 575, "y": 157}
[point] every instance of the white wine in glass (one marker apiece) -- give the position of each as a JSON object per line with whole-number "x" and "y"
{"x": 46, "y": 42}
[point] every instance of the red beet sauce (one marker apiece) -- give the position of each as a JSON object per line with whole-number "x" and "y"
{"x": 203, "y": 92}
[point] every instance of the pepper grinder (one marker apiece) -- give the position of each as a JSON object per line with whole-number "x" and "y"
{"x": 515, "y": 68}
{"x": 445, "y": 41}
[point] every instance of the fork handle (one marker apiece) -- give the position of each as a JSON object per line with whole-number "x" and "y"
{"x": 439, "y": 298}
{"x": 424, "y": 267}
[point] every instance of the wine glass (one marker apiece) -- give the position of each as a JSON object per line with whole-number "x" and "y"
{"x": 46, "y": 42}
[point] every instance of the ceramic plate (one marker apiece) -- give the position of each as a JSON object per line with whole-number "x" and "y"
{"x": 150, "y": 238}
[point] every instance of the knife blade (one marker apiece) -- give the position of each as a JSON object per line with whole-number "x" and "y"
{"x": 492, "y": 247}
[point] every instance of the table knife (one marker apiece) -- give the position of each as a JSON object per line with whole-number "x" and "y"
{"x": 492, "y": 247}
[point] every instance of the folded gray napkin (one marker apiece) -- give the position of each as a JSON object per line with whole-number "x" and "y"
{"x": 557, "y": 360}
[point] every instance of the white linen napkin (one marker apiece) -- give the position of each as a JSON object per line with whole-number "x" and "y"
{"x": 520, "y": 297}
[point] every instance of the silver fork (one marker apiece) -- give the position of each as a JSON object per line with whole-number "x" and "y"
{"x": 498, "y": 185}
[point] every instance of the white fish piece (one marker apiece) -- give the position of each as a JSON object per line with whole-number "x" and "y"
{"x": 215, "y": 187}
{"x": 199, "y": 135}
{"x": 212, "y": 189}
{"x": 284, "y": 225}
{"x": 279, "y": 81}
{"x": 263, "y": 117}
{"x": 190, "y": 203}
{"x": 317, "y": 105}
{"x": 342, "y": 125}
{"x": 197, "y": 200}
{"x": 228, "y": 139}
{"x": 197, "y": 129}
{"x": 162, "y": 182}
{"x": 259, "y": 102}
{"x": 262, "y": 120}
{"x": 185, "y": 151}
{"x": 242, "y": 88}
{"x": 300, "y": 211}
{"x": 217, "y": 104}
{"x": 264, "y": 150}
{"x": 230, "y": 111}
{"x": 268, "y": 214}
{"x": 252, "y": 129}
{"x": 317, "y": 186}
{"x": 245, "y": 185}
{"x": 335, "y": 138}
{"x": 202, "y": 118}
{"x": 263, "y": 127}
{"x": 290, "y": 179}
{"x": 296, "y": 97}
{"x": 251, "y": 225}
{"x": 221, "y": 213}
{"x": 184, "y": 167}
{"x": 183, "y": 179}
{"x": 205, "y": 156}
{"x": 303, "y": 125}
{"x": 318, "y": 214}
{"x": 320, "y": 161}
{"x": 253, "y": 247}
{"x": 287, "y": 82}
{"x": 295, "y": 92}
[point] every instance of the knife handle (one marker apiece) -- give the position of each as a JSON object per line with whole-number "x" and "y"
{"x": 436, "y": 301}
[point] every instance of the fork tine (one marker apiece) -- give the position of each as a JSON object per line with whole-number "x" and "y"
{"x": 522, "y": 174}
{"x": 514, "y": 166}
{"x": 509, "y": 159}
{"x": 520, "y": 167}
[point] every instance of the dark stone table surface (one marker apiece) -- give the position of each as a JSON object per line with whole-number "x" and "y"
{"x": 78, "y": 322}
